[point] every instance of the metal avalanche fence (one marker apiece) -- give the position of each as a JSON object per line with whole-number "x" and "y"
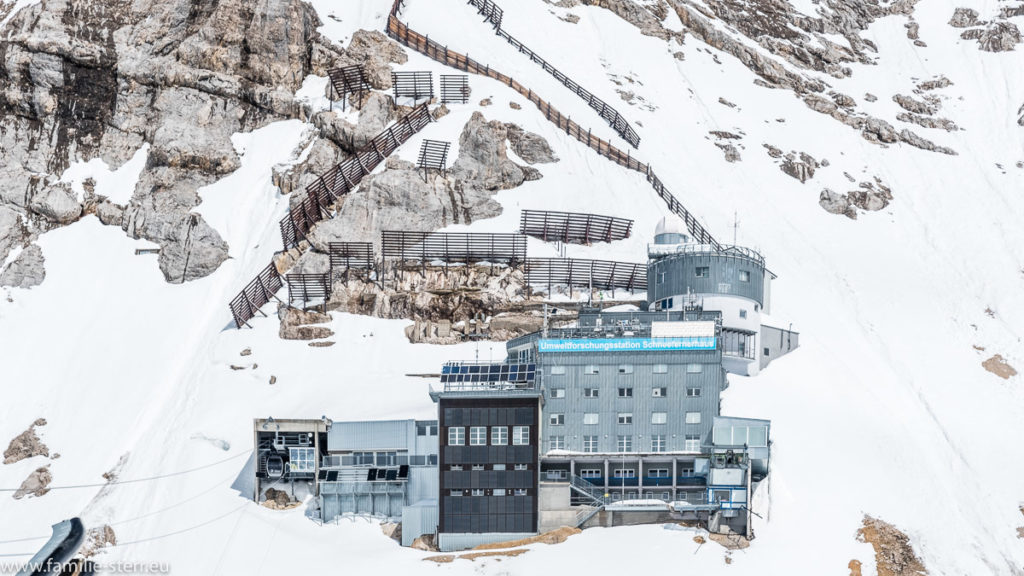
{"x": 493, "y": 14}
{"x": 416, "y": 41}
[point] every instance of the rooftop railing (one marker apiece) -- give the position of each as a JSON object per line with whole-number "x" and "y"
{"x": 654, "y": 250}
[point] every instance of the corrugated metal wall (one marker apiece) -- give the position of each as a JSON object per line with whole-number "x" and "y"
{"x": 680, "y": 274}
{"x": 417, "y": 520}
{"x": 372, "y": 435}
{"x": 608, "y": 404}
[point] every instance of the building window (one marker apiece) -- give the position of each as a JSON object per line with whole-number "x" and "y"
{"x": 478, "y": 436}
{"x": 426, "y": 429}
{"x": 499, "y": 435}
{"x": 302, "y": 459}
{"x": 693, "y": 417}
{"x": 590, "y": 473}
{"x": 743, "y": 313}
{"x": 659, "y": 417}
{"x": 498, "y": 492}
{"x": 520, "y": 492}
{"x": 556, "y": 419}
{"x": 625, "y": 443}
{"x": 557, "y": 474}
{"x": 455, "y": 493}
{"x": 692, "y": 443}
{"x": 625, "y": 392}
{"x": 498, "y": 467}
{"x": 692, "y": 392}
{"x": 624, "y": 473}
{"x": 590, "y": 443}
{"x": 625, "y": 417}
{"x": 658, "y": 473}
{"x": 477, "y": 467}
{"x": 520, "y": 435}
{"x": 702, "y": 272}
{"x": 557, "y": 370}
{"x": 556, "y": 443}
{"x": 625, "y": 368}
{"x": 477, "y": 492}
{"x": 767, "y": 352}
{"x": 591, "y": 369}
{"x": 694, "y": 368}
{"x": 659, "y": 392}
{"x": 456, "y": 436}
{"x": 590, "y": 392}
{"x": 658, "y": 443}
{"x": 455, "y": 467}
{"x": 521, "y": 467}
{"x": 686, "y": 470}
{"x": 661, "y": 368}
{"x": 744, "y": 276}
{"x": 558, "y": 392}
{"x": 525, "y": 355}
{"x": 661, "y": 277}
{"x": 590, "y": 418}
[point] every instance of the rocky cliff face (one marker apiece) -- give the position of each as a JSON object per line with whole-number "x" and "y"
{"x": 85, "y": 79}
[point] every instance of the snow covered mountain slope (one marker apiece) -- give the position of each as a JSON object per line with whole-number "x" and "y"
{"x": 885, "y": 409}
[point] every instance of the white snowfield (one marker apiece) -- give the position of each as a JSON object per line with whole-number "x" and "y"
{"x": 884, "y": 410}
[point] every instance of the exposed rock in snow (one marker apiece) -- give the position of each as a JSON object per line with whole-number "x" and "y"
{"x": 27, "y": 269}
{"x": 12, "y": 232}
{"x": 190, "y": 249}
{"x": 26, "y": 445}
{"x": 802, "y": 169}
{"x": 999, "y": 37}
{"x": 483, "y": 161}
{"x": 934, "y": 84}
{"x": 964, "y": 18}
{"x": 911, "y": 104}
{"x": 36, "y": 484}
{"x": 732, "y": 154}
{"x": 532, "y": 148}
{"x": 300, "y": 324}
{"x": 376, "y": 51}
{"x": 894, "y": 556}
{"x": 120, "y": 74}
{"x": 57, "y": 203}
{"x": 998, "y": 366}
{"x": 96, "y": 539}
{"x": 928, "y": 121}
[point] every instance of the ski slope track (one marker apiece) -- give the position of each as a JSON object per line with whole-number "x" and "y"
{"x": 884, "y": 410}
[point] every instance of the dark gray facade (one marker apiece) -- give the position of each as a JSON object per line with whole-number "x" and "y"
{"x": 730, "y": 272}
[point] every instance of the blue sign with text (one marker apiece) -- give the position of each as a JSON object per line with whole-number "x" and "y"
{"x": 627, "y": 344}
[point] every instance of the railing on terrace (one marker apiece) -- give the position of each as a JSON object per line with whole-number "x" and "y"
{"x": 718, "y": 249}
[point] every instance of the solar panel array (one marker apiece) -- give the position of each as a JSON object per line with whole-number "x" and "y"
{"x": 455, "y": 373}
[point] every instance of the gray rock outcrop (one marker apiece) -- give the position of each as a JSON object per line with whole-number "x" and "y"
{"x": 532, "y": 148}
{"x": 483, "y": 159}
{"x": 26, "y": 445}
{"x": 964, "y": 18}
{"x": 85, "y": 79}
{"x": 37, "y": 483}
{"x": 27, "y": 269}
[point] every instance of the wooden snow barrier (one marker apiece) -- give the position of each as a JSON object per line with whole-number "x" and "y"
{"x": 573, "y": 227}
{"x": 348, "y": 80}
{"x": 412, "y": 39}
{"x": 413, "y": 85}
{"x": 255, "y": 294}
{"x": 493, "y": 15}
{"x": 308, "y": 288}
{"x": 347, "y": 256}
{"x": 455, "y": 88}
{"x": 344, "y": 177}
{"x": 433, "y": 156}
{"x": 583, "y": 273}
{"x": 454, "y": 247}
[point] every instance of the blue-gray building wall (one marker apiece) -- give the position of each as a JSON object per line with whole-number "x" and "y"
{"x": 679, "y": 376}
{"x": 676, "y": 275}
{"x": 777, "y": 342}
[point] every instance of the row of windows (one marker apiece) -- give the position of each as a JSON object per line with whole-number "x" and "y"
{"x": 626, "y": 392}
{"x": 493, "y": 492}
{"x": 591, "y": 473}
{"x": 476, "y": 467}
{"x": 558, "y": 419}
{"x": 592, "y": 369}
{"x": 705, "y": 272}
{"x": 624, "y": 443}
{"x": 478, "y": 435}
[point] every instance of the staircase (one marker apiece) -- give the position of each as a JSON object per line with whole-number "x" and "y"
{"x": 594, "y": 497}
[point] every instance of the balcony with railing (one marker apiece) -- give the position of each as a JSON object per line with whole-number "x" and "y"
{"x": 661, "y": 250}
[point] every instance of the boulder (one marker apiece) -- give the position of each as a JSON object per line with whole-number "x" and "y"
{"x": 57, "y": 203}
{"x": 109, "y": 213}
{"x": 532, "y": 148}
{"x": 483, "y": 160}
{"x": 37, "y": 483}
{"x": 964, "y": 18}
{"x": 837, "y": 203}
{"x": 191, "y": 250}
{"x": 26, "y": 270}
